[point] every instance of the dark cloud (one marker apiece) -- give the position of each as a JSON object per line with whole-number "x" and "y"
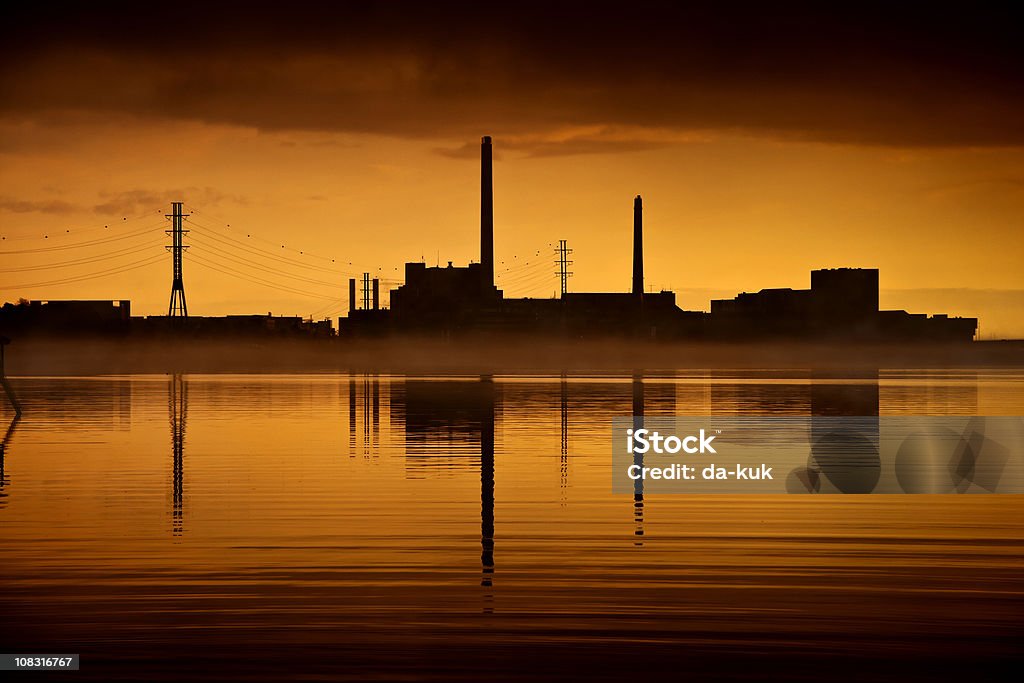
{"x": 559, "y": 147}
{"x": 907, "y": 74}
{"x": 566, "y": 142}
{"x": 139, "y": 201}
{"x": 469, "y": 151}
{"x": 51, "y": 206}
{"x": 131, "y": 202}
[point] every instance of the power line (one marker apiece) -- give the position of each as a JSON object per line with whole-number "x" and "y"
{"x": 333, "y": 306}
{"x": 127, "y": 251}
{"x": 256, "y": 251}
{"x": 240, "y": 260}
{"x": 530, "y": 284}
{"x": 243, "y": 276}
{"x": 79, "y": 245}
{"x": 89, "y": 276}
{"x": 302, "y": 252}
{"x": 55, "y": 234}
{"x": 536, "y": 277}
{"x": 519, "y": 265}
{"x": 519, "y": 268}
{"x": 218, "y": 235}
{"x": 533, "y": 271}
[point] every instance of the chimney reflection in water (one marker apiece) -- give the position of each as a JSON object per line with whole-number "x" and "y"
{"x": 638, "y": 458}
{"x": 367, "y": 398}
{"x": 444, "y": 422}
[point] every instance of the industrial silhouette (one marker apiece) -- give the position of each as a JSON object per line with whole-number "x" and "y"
{"x": 842, "y": 303}
{"x": 448, "y": 301}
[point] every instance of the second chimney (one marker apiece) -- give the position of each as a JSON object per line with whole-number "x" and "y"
{"x": 638, "y": 246}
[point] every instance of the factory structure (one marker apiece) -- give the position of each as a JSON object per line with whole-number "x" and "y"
{"x": 113, "y": 318}
{"x": 463, "y": 301}
{"x": 841, "y": 304}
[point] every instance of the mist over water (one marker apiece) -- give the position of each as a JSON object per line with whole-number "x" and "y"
{"x": 400, "y": 526}
{"x": 468, "y": 354}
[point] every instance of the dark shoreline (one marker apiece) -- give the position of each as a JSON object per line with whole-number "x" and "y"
{"x": 98, "y": 356}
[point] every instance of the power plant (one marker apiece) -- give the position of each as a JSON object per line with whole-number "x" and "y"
{"x": 463, "y": 301}
{"x": 452, "y": 300}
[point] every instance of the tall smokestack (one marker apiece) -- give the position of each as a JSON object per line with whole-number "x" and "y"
{"x": 638, "y": 246}
{"x": 351, "y": 294}
{"x": 486, "y": 214}
{"x": 376, "y": 293}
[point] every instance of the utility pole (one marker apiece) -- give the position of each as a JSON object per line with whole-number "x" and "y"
{"x": 177, "y": 306}
{"x": 563, "y": 264}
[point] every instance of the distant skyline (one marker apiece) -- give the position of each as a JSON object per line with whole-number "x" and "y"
{"x": 765, "y": 144}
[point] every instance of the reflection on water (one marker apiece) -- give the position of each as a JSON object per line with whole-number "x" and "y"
{"x": 462, "y": 528}
{"x": 638, "y": 458}
{"x": 446, "y": 424}
{"x": 847, "y": 457}
{"x": 3, "y": 453}
{"x": 487, "y": 480}
{"x": 364, "y": 396}
{"x": 563, "y": 470}
{"x": 177, "y": 404}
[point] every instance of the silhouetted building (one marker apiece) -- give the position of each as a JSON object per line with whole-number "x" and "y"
{"x": 847, "y": 295}
{"x": 452, "y": 300}
{"x": 367, "y": 321}
{"x": 113, "y": 318}
{"x": 66, "y": 318}
{"x": 842, "y": 304}
{"x": 233, "y": 325}
{"x": 636, "y": 313}
{"x": 903, "y": 326}
{"x": 645, "y": 314}
{"x": 444, "y": 298}
{"x": 439, "y": 299}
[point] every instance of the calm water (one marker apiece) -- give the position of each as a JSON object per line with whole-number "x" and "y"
{"x": 354, "y": 527}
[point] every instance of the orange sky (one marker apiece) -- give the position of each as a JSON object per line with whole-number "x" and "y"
{"x": 366, "y": 153}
